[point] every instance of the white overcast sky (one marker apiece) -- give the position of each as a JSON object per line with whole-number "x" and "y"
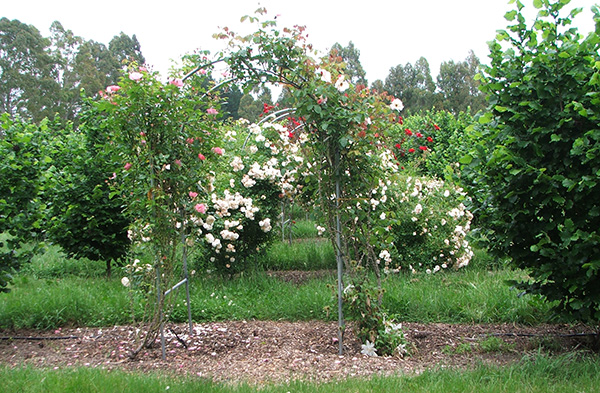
{"x": 386, "y": 32}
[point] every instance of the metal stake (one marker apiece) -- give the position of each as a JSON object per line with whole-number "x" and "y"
{"x": 338, "y": 254}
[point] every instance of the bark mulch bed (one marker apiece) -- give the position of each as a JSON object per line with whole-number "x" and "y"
{"x": 260, "y": 352}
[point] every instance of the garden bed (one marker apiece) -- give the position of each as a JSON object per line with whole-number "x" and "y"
{"x": 265, "y": 351}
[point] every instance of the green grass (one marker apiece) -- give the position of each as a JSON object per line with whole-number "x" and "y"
{"x": 302, "y": 254}
{"x": 469, "y": 296}
{"x": 71, "y": 301}
{"x": 538, "y": 373}
{"x": 301, "y": 229}
{"x": 54, "y": 291}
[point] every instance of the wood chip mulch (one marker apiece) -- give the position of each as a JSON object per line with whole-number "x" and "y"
{"x": 259, "y": 352}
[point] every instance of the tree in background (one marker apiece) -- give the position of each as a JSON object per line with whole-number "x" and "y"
{"x": 536, "y": 160}
{"x": 250, "y": 108}
{"x": 125, "y": 50}
{"x": 413, "y": 84}
{"x": 232, "y": 96}
{"x": 378, "y": 86}
{"x": 351, "y": 57}
{"x": 41, "y": 77}
{"x": 27, "y": 72}
{"x": 64, "y": 48}
{"x": 457, "y": 86}
{"x": 85, "y": 221}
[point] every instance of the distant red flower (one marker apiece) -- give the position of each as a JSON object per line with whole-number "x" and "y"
{"x": 423, "y": 148}
{"x": 429, "y": 139}
{"x": 419, "y": 135}
{"x": 411, "y": 150}
{"x": 267, "y": 108}
{"x": 408, "y": 132}
{"x": 398, "y": 146}
{"x": 201, "y": 156}
{"x": 436, "y": 127}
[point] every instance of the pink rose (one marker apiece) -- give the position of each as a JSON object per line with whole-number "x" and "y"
{"x": 218, "y": 151}
{"x": 127, "y": 166}
{"x": 178, "y": 162}
{"x": 193, "y": 194}
{"x": 135, "y": 76}
{"x": 200, "y": 208}
{"x": 113, "y": 89}
{"x": 202, "y": 71}
{"x": 212, "y": 111}
{"x": 201, "y": 156}
{"x": 176, "y": 81}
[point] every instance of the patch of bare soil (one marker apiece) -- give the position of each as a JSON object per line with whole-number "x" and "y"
{"x": 259, "y": 352}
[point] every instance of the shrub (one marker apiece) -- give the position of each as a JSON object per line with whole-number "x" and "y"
{"x": 537, "y": 156}
{"x": 431, "y": 224}
{"x": 85, "y": 221}
{"x": 22, "y": 168}
{"x": 447, "y": 144}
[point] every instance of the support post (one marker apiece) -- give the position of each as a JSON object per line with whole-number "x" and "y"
{"x": 338, "y": 254}
{"x": 187, "y": 287}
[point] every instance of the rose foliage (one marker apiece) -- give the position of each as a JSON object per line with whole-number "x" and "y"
{"x": 342, "y": 129}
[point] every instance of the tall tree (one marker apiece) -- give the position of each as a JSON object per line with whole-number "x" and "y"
{"x": 378, "y": 85}
{"x": 95, "y": 67}
{"x": 285, "y": 99}
{"x": 64, "y": 48}
{"x": 232, "y": 95}
{"x": 351, "y": 57}
{"x": 28, "y": 72}
{"x": 413, "y": 84}
{"x": 457, "y": 86}
{"x": 251, "y": 108}
{"x": 124, "y": 49}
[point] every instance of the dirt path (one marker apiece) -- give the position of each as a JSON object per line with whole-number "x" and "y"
{"x": 266, "y": 351}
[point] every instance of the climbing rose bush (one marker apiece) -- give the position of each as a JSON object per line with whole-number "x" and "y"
{"x": 430, "y": 233}
{"x": 166, "y": 138}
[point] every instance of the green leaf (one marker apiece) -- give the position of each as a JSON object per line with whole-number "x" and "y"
{"x": 537, "y": 4}
{"x": 486, "y": 118}
{"x": 510, "y": 15}
{"x": 467, "y": 159}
